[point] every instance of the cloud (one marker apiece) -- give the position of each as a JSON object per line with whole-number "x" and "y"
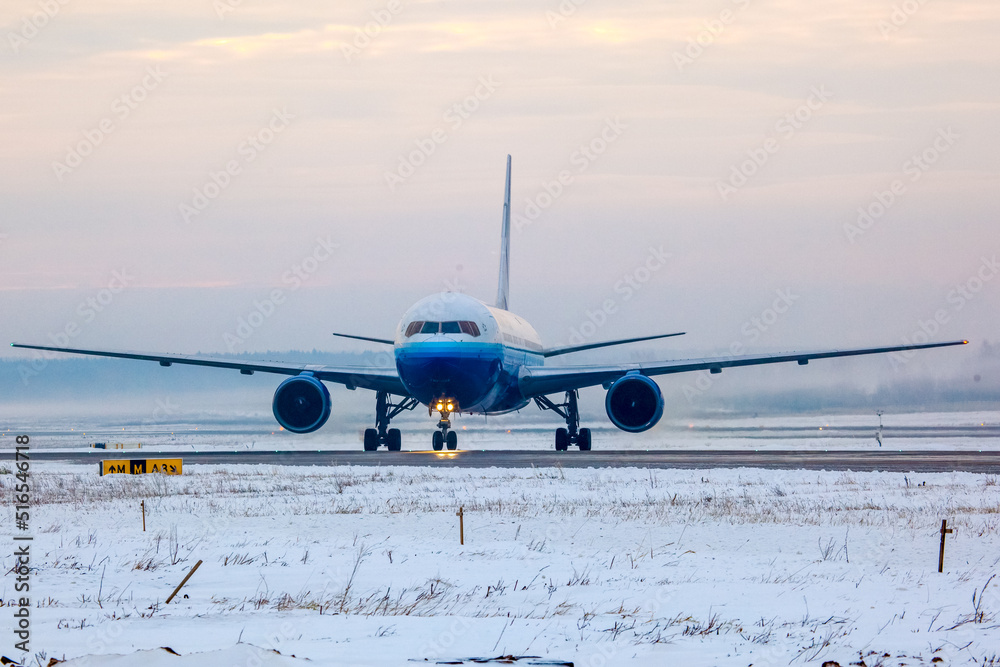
{"x": 560, "y": 81}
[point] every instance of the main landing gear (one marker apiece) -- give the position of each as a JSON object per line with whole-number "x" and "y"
{"x": 572, "y": 434}
{"x": 444, "y": 436}
{"x": 385, "y": 410}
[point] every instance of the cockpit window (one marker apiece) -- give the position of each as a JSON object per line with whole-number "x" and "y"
{"x": 462, "y": 327}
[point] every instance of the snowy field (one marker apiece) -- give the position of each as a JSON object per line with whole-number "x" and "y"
{"x": 363, "y": 566}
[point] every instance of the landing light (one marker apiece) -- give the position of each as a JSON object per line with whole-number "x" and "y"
{"x": 450, "y": 407}
{"x": 440, "y": 406}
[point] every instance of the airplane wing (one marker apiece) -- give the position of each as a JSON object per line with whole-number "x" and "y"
{"x": 541, "y": 380}
{"x": 366, "y": 377}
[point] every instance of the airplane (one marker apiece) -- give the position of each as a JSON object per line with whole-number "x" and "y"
{"x": 456, "y": 354}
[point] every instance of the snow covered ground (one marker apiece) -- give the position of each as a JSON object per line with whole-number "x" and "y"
{"x": 363, "y": 566}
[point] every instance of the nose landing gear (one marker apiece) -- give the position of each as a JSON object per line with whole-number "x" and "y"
{"x": 444, "y": 436}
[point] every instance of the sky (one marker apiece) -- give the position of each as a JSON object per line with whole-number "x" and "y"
{"x": 778, "y": 174}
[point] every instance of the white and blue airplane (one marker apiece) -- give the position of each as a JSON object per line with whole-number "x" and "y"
{"x": 456, "y": 354}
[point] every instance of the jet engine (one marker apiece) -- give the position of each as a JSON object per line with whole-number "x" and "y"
{"x": 634, "y": 403}
{"x": 301, "y": 404}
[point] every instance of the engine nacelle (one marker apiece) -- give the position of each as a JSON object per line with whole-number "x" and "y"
{"x": 301, "y": 404}
{"x": 634, "y": 403}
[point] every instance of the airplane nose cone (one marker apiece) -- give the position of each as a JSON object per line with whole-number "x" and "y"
{"x": 464, "y": 378}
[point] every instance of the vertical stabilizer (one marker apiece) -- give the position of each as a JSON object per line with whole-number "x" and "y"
{"x": 504, "y": 287}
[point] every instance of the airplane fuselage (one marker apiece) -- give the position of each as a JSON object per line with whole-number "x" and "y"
{"x": 451, "y": 346}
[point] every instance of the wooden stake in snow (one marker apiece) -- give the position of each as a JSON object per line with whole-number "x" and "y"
{"x": 461, "y": 525}
{"x": 142, "y": 504}
{"x": 944, "y": 531}
{"x": 180, "y": 585}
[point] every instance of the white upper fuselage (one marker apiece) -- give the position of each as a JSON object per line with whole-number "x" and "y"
{"x": 452, "y": 346}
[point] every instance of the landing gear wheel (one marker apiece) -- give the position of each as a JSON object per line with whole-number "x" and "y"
{"x": 452, "y": 440}
{"x": 562, "y": 440}
{"x": 438, "y": 441}
{"x": 393, "y": 440}
{"x": 385, "y": 411}
{"x": 371, "y": 440}
{"x": 569, "y": 411}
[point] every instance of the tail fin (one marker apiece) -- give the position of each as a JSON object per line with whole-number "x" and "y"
{"x": 504, "y": 287}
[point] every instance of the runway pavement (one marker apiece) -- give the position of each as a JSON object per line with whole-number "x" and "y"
{"x": 893, "y": 461}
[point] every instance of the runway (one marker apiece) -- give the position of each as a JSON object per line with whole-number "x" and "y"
{"x": 891, "y": 461}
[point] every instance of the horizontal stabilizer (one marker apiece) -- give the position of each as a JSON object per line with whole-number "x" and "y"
{"x": 590, "y": 346}
{"x": 373, "y": 340}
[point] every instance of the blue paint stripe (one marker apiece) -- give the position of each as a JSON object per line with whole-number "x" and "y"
{"x": 449, "y": 350}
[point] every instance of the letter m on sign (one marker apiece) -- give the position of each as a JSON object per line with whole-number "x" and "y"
{"x": 137, "y": 466}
